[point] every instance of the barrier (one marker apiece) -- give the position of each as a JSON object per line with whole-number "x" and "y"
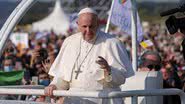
{"x": 144, "y": 80}
{"x": 24, "y": 87}
{"x": 134, "y": 94}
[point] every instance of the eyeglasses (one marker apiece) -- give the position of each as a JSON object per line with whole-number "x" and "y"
{"x": 156, "y": 67}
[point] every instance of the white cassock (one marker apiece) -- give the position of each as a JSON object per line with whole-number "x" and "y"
{"x": 77, "y": 53}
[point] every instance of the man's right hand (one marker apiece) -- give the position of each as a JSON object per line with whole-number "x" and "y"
{"x": 48, "y": 91}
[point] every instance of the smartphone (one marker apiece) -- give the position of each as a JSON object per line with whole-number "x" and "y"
{"x": 35, "y": 80}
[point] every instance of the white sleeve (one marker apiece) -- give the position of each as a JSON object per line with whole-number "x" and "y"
{"x": 60, "y": 83}
{"x": 116, "y": 78}
{"x": 119, "y": 61}
{"x": 55, "y": 67}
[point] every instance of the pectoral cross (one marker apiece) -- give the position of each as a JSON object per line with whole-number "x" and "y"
{"x": 77, "y": 73}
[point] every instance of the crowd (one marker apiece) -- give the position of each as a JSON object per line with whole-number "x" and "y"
{"x": 37, "y": 59}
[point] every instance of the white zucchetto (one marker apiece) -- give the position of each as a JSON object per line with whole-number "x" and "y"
{"x": 87, "y": 10}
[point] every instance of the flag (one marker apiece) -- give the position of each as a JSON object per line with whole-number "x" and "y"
{"x": 147, "y": 43}
{"x": 121, "y": 17}
{"x": 11, "y": 78}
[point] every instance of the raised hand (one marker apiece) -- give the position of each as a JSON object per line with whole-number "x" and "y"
{"x": 103, "y": 64}
{"x": 46, "y": 65}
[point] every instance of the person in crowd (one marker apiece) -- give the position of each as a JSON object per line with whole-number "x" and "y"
{"x": 59, "y": 43}
{"x": 90, "y": 60}
{"x": 171, "y": 80}
{"x": 44, "y": 80}
{"x": 9, "y": 52}
{"x": 39, "y": 55}
{"x": 150, "y": 61}
{"x": 170, "y": 77}
{"x": 8, "y": 64}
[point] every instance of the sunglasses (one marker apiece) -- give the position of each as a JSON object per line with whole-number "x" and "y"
{"x": 156, "y": 67}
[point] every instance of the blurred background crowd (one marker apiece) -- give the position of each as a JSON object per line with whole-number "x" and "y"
{"x": 32, "y": 60}
{"x": 38, "y": 57}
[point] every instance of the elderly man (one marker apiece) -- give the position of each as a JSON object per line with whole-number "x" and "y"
{"x": 90, "y": 60}
{"x": 150, "y": 61}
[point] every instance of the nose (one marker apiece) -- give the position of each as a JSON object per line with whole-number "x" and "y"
{"x": 87, "y": 29}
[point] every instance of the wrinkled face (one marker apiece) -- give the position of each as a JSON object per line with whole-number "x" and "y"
{"x": 152, "y": 58}
{"x": 152, "y": 63}
{"x": 88, "y": 24}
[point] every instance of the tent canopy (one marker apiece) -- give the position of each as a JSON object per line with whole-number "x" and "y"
{"x": 56, "y": 21}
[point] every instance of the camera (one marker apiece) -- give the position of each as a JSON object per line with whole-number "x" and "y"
{"x": 174, "y": 24}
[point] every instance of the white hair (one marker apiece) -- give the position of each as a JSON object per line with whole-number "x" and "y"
{"x": 87, "y": 10}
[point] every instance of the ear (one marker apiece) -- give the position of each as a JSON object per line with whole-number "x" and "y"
{"x": 77, "y": 22}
